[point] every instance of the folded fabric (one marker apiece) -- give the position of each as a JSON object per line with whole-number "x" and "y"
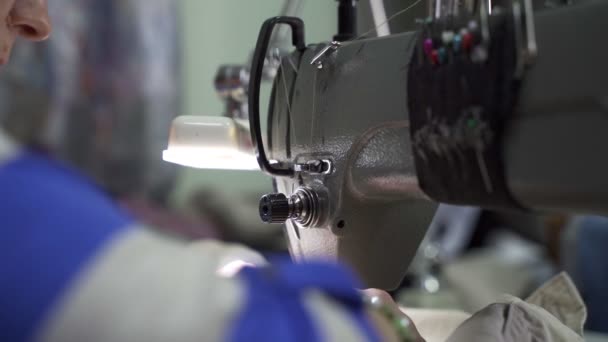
{"x": 554, "y": 313}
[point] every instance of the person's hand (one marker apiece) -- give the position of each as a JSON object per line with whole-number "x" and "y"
{"x": 390, "y": 329}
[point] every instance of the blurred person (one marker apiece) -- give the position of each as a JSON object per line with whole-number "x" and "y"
{"x": 100, "y": 96}
{"x": 75, "y": 267}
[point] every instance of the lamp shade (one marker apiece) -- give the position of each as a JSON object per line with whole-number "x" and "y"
{"x": 210, "y": 142}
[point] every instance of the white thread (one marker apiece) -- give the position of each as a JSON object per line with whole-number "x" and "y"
{"x": 389, "y": 19}
{"x": 287, "y": 100}
{"x": 293, "y": 66}
{"x": 286, "y": 93}
{"x": 314, "y": 93}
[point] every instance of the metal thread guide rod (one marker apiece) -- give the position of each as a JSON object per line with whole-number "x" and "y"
{"x": 322, "y": 55}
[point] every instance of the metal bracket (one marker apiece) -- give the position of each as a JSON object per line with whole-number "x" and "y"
{"x": 320, "y": 57}
{"x": 324, "y": 167}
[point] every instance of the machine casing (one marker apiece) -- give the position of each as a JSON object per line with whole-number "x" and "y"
{"x": 354, "y": 112}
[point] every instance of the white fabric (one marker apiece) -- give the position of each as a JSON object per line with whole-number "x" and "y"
{"x": 147, "y": 287}
{"x": 560, "y": 298}
{"x": 436, "y": 325}
{"x": 554, "y": 313}
{"x": 334, "y": 322}
{"x": 8, "y": 148}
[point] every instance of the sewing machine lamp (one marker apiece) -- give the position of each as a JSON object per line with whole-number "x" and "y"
{"x": 210, "y": 142}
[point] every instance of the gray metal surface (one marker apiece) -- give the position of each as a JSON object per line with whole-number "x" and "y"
{"x": 354, "y": 113}
{"x": 557, "y": 145}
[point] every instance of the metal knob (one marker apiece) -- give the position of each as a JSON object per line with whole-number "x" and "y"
{"x": 274, "y": 208}
{"x": 302, "y": 206}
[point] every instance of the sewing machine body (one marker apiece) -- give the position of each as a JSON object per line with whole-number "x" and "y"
{"x": 353, "y": 112}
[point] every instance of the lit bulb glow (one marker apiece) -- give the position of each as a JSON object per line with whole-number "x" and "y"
{"x": 207, "y": 142}
{"x": 211, "y": 158}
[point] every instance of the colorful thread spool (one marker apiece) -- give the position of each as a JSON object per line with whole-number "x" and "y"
{"x": 457, "y": 43}
{"x": 467, "y": 41}
{"x": 434, "y": 57}
{"x": 442, "y": 55}
{"x": 428, "y": 46}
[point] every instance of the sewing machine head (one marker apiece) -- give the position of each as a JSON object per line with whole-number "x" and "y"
{"x": 362, "y": 133}
{"x": 344, "y": 173}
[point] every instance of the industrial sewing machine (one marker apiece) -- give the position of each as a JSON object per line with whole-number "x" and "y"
{"x": 485, "y": 104}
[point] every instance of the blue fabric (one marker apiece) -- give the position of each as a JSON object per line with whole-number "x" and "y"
{"x": 592, "y": 270}
{"x": 52, "y": 221}
{"x": 274, "y": 311}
